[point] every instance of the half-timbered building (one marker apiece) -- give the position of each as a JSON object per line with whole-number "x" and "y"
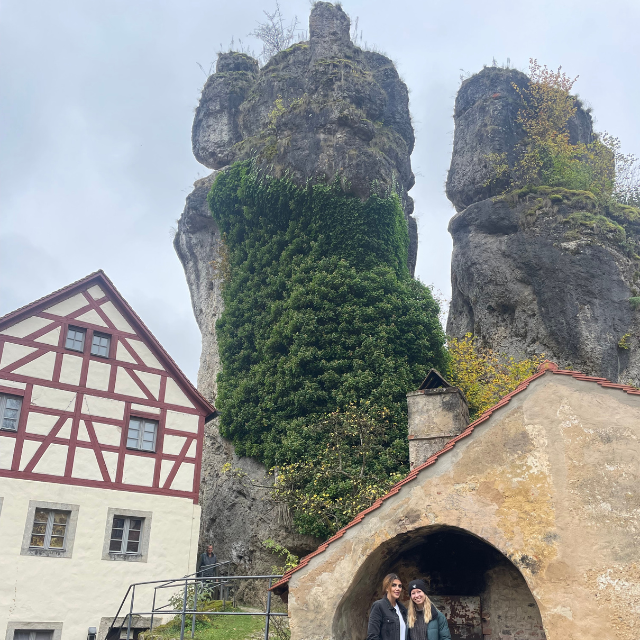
{"x": 100, "y": 446}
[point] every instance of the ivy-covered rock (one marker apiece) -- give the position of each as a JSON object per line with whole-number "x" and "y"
{"x": 320, "y": 310}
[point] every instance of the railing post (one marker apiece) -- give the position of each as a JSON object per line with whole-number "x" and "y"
{"x": 268, "y": 616}
{"x": 153, "y": 606}
{"x": 184, "y": 610}
{"x": 133, "y": 595}
{"x": 195, "y": 606}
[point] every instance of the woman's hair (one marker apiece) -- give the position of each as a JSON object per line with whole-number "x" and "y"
{"x": 388, "y": 579}
{"x": 411, "y": 611}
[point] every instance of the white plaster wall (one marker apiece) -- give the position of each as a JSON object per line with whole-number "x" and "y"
{"x": 123, "y": 355}
{"x": 13, "y": 352}
{"x": 145, "y": 353}
{"x": 95, "y": 292}
{"x": 68, "y": 306}
{"x": 41, "y": 367}
{"x": 80, "y": 590}
{"x": 51, "y": 398}
{"x": 104, "y": 407}
{"x": 26, "y": 327}
{"x": 116, "y": 317}
{"x": 182, "y": 421}
{"x": 174, "y": 395}
{"x": 71, "y": 369}
{"x": 126, "y": 386}
{"x": 92, "y": 317}
{"x": 98, "y": 375}
{"x": 52, "y": 338}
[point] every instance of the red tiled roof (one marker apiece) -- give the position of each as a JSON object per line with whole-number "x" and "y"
{"x": 100, "y": 277}
{"x": 542, "y": 369}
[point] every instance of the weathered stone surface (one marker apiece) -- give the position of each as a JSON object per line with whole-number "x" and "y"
{"x": 538, "y": 509}
{"x": 319, "y": 109}
{"x": 435, "y": 416}
{"x": 237, "y": 514}
{"x": 486, "y": 122}
{"x": 526, "y": 280}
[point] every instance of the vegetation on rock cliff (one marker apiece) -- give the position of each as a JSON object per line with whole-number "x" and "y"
{"x": 320, "y": 315}
{"x": 546, "y": 154}
{"x": 483, "y": 375}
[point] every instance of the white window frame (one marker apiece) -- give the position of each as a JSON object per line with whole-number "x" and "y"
{"x": 52, "y": 627}
{"x": 140, "y": 438}
{"x": 84, "y": 338}
{"x": 32, "y": 634}
{"x": 70, "y": 532}
{"x": 99, "y": 334}
{"x": 48, "y": 534}
{"x": 145, "y": 535}
{"x": 3, "y": 405}
{"x": 124, "y": 542}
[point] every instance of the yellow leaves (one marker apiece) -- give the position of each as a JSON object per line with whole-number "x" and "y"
{"x": 483, "y": 375}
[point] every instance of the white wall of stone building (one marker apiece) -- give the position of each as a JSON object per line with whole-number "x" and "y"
{"x": 80, "y": 590}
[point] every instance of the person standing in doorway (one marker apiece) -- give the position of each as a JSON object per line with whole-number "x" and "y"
{"x": 388, "y": 616}
{"x": 425, "y": 622}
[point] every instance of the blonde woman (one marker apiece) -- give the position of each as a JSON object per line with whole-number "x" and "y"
{"x": 388, "y": 617}
{"x": 424, "y": 621}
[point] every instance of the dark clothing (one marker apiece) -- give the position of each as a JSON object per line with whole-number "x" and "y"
{"x": 436, "y": 629}
{"x": 384, "y": 623}
{"x": 204, "y": 567}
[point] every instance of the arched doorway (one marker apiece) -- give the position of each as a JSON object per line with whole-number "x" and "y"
{"x": 480, "y": 590}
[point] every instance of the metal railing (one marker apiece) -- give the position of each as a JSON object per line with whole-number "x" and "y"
{"x": 204, "y": 584}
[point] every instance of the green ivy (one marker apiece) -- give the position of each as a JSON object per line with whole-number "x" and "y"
{"x": 320, "y": 314}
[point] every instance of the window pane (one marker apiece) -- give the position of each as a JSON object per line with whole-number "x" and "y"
{"x": 118, "y": 523}
{"x": 57, "y": 542}
{"x": 39, "y": 528}
{"x": 132, "y": 547}
{"x": 100, "y": 345}
{"x": 135, "y": 525}
{"x": 116, "y": 534}
{"x": 60, "y": 517}
{"x": 57, "y": 530}
{"x": 75, "y": 339}
{"x": 37, "y": 541}
{"x": 41, "y": 516}
{"x": 10, "y": 411}
{"x": 115, "y": 546}
{"x": 44, "y": 635}
{"x": 134, "y": 536}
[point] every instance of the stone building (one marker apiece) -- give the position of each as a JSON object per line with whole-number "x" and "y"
{"x": 100, "y": 447}
{"x": 524, "y": 525}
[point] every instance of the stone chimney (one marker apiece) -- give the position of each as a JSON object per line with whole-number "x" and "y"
{"x": 437, "y": 413}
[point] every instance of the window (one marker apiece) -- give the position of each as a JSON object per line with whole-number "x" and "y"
{"x": 125, "y": 535}
{"x": 49, "y": 529}
{"x": 49, "y": 532}
{"x": 34, "y": 630}
{"x": 100, "y": 345}
{"x": 10, "y": 411}
{"x": 142, "y": 434}
{"x": 75, "y": 339}
{"x": 25, "y": 634}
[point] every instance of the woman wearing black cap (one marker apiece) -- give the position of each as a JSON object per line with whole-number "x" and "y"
{"x": 388, "y": 617}
{"x": 424, "y": 621}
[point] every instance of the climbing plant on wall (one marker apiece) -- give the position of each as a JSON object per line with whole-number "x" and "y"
{"x": 320, "y": 315}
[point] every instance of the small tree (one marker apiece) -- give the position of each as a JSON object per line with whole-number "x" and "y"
{"x": 483, "y": 375}
{"x": 275, "y": 35}
{"x": 546, "y": 155}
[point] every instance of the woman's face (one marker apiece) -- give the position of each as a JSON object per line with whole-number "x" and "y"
{"x": 395, "y": 589}
{"x": 418, "y": 596}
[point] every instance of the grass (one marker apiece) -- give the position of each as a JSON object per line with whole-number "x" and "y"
{"x": 211, "y": 628}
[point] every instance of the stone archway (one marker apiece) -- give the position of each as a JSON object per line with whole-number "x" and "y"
{"x": 464, "y": 573}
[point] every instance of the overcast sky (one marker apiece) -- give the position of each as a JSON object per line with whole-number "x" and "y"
{"x": 97, "y": 100}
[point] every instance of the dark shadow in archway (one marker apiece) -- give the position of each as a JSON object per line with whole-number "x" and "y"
{"x": 458, "y": 567}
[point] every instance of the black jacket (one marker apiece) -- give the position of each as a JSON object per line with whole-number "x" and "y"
{"x": 384, "y": 623}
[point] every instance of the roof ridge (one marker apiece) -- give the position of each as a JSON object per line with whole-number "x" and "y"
{"x": 545, "y": 366}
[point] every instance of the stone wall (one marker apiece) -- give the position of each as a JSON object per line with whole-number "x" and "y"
{"x": 549, "y": 481}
